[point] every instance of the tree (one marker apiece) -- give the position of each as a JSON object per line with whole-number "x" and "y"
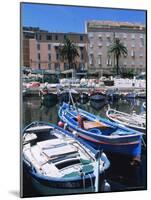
{"x": 117, "y": 49}
{"x": 68, "y": 52}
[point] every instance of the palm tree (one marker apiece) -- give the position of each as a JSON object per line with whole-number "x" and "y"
{"x": 117, "y": 49}
{"x": 68, "y": 52}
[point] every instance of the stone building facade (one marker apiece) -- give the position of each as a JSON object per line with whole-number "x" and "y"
{"x": 100, "y": 36}
{"x": 41, "y": 50}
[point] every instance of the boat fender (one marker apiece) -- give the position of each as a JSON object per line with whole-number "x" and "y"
{"x": 60, "y": 124}
{"x": 75, "y": 133}
{"x": 105, "y": 186}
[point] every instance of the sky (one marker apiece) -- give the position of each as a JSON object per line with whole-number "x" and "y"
{"x": 56, "y": 18}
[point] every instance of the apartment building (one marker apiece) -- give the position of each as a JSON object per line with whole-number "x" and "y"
{"x": 100, "y": 37}
{"x": 41, "y": 50}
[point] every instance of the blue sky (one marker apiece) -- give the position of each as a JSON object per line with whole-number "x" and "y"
{"x": 71, "y": 19}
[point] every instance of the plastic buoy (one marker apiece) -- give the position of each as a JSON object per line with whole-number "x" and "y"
{"x": 75, "y": 133}
{"x": 60, "y": 124}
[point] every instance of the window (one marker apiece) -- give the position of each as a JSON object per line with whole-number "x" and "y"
{"x": 38, "y": 46}
{"x": 91, "y": 59}
{"x": 124, "y": 35}
{"x": 91, "y": 35}
{"x": 109, "y": 61}
{"x": 66, "y": 66}
{"x": 57, "y": 66}
{"x": 108, "y": 35}
{"x": 57, "y": 56}
{"x": 56, "y": 47}
{"x": 81, "y": 66}
{"x": 49, "y": 56}
{"x": 38, "y": 56}
{"x": 39, "y": 37}
{"x": 91, "y": 45}
{"x": 81, "y": 48}
{"x": 100, "y": 45}
{"x": 49, "y": 65}
{"x": 108, "y": 39}
{"x": 39, "y": 66}
{"x": 82, "y": 56}
{"x": 81, "y": 37}
{"x": 142, "y": 41}
{"x": 99, "y": 60}
{"x": 49, "y": 46}
{"x": 49, "y": 37}
{"x": 133, "y": 53}
{"x": 133, "y": 36}
{"x": 56, "y": 37}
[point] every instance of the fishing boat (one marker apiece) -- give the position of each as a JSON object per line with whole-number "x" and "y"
{"x": 131, "y": 95}
{"x": 97, "y": 105}
{"x": 56, "y": 158}
{"x": 97, "y": 131}
{"x": 113, "y": 94}
{"x": 134, "y": 121}
{"x": 141, "y": 95}
{"x": 64, "y": 96}
{"x": 97, "y": 96}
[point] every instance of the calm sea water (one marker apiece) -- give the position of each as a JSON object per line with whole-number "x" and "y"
{"x": 121, "y": 175}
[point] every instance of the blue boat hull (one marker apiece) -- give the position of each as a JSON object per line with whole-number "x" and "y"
{"x": 81, "y": 182}
{"x": 128, "y": 145}
{"x": 133, "y": 150}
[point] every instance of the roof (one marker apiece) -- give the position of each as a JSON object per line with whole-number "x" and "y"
{"x": 101, "y": 24}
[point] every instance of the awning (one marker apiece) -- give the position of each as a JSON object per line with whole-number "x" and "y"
{"x": 67, "y": 71}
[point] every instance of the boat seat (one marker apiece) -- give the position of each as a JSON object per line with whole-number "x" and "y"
{"x": 29, "y": 137}
{"x": 93, "y": 124}
{"x": 59, "y": 151}
{"x": 38, "y": 156}
{"x": 47, "y": 144}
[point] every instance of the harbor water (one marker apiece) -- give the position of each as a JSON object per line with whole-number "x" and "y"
{"x": 121, "y": 175}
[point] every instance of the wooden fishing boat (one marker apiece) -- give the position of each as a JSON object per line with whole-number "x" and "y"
{"x": 64, "y": 95}
{"x": 102, "y": 132}
{"x": 141, "y": 95}
{"x": 56, "y": 158}
{"x": 113, "y": 94}
{"x": 137, "y": 122}
{"x": 97, "y": 96}
{"x": 49, "y": 99}
{"x": 131, "y": 95}
{"x": 97, "y": 105}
